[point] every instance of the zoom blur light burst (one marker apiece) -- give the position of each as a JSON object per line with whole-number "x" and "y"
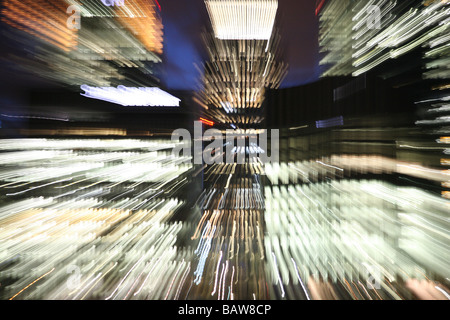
{"x": 244, "y": 60}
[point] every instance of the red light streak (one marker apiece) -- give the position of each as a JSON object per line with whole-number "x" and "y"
{"x": 319, "y": 7}
{"x": 159, "y": 6}
{"x": 207, "y": 122}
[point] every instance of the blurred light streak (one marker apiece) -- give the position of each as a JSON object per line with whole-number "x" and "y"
{"x": 113, "y": 41}
{"x": 339, "y": 121}
{"x": 99, "y": 232}
{"x": 231, "y": 204}
{"x": 32, "y": 283}
{"x": 34, "y": 117}
{"x": 244, "y": 59}
{"x": 319, "y": 6}
{"x": 279, "y": 281}
{"x": 352, "y": 46}
{"x": 305, "y": 226}
{"x": 207, "y": 122}
{"x": 443, "y": 292}
{"x": 300, "y": 279}
{"x": 45, "y": 20}
{"x": 217, "y": 274}
{"x": 242, "y": 20}
{"x": 126, "y": 96}
{"x": 144, "y": 22}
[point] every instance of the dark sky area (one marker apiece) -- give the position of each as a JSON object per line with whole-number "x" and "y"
{"x": 184, "y": 20}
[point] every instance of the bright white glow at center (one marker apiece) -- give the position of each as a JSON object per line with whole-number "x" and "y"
{"x": 127, "y": 96}
{"x": 242, "y": 20}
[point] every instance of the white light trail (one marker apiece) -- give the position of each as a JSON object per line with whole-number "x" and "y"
{"x": 128, "y": 96}
{"x": 242, "y": 20}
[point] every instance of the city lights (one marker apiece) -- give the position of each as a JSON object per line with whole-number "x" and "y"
{"x": 247, "y": 152}
{"x": 47, "y": 21}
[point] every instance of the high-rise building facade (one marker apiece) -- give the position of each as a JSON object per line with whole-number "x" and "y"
{"x": 244, "y": 59}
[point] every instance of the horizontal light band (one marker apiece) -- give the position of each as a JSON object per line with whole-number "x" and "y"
{"x": 242, "y": 20}
{"x": 334, "y": 122}
{"x": 128, "y": 96}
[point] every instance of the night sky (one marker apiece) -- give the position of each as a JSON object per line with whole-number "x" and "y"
{"x": 184, "y": 20}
